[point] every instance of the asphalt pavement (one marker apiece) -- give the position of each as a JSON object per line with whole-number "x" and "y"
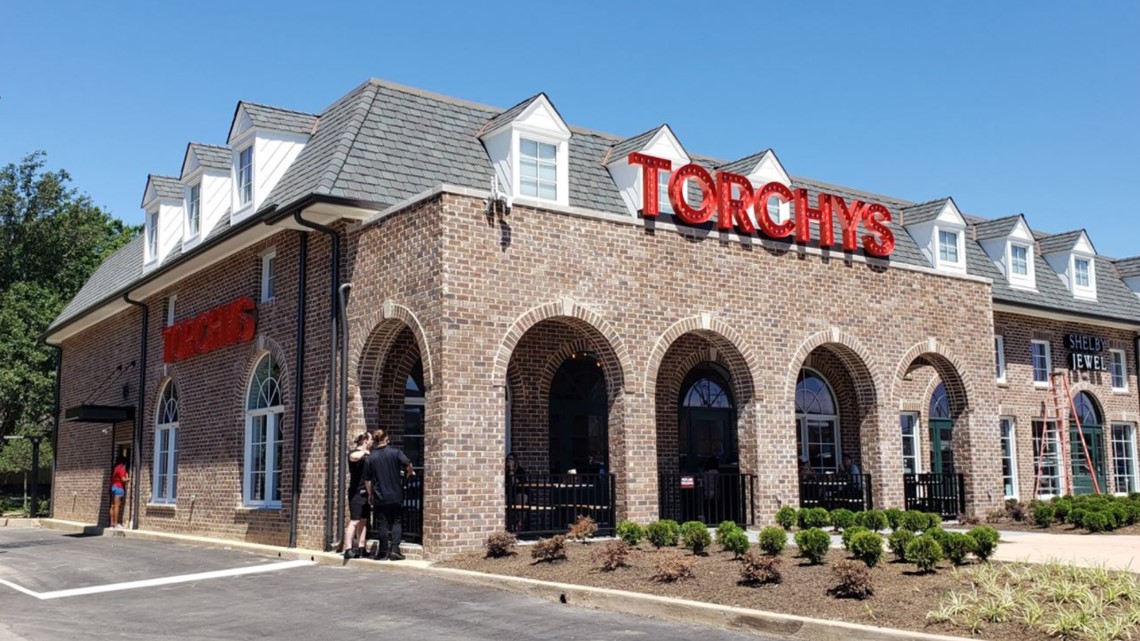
{"x": 63, "y": 586}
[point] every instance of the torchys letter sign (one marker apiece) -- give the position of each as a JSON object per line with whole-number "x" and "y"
{"x": 220, "y": 327}
{"x": 729, "y": 196}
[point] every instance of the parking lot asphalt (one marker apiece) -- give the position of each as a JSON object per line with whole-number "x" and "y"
{"x": 56, "y": 586}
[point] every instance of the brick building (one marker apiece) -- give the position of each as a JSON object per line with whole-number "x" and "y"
{"x": 652, "y": 333}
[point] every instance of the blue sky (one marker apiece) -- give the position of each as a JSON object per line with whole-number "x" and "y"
{"x": 1009, "y": 107}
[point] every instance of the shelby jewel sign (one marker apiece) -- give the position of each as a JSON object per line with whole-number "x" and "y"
{"x": 1084, "y": 352}
{"x": 728, "y": 196}
{"x": 220, "y": 327}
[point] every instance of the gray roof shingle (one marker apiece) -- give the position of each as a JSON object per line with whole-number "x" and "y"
{"x": 996, "y": 228}
{"x": 164, "y": 187}
{"x": 636, "y": 143}
{"x": 744, "y": 165}
{"x": 503, "y": 118}
{"x": 923, "y": 212}
{"x": 278, "y": 119}
{"x": 1128, "y": 267}
{"x": 211, "y": 156}
{"x": 1063, "y": 242}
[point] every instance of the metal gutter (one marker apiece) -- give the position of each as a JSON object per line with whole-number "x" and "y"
{"x": 136, "y": 439}
{"x": 299, "y": 393}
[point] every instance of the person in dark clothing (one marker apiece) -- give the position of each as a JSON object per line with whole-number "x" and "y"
{"x": 354, "y": 533}
{"x": 386, "y": 494}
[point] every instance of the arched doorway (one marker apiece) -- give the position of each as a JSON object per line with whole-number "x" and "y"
{"x": 941, "y": 432}
{"x": 707, "y": 421}
{"x": 579, "y": 434}
{"x": 817, "y": 423}
{"x": 1087, "y": 413}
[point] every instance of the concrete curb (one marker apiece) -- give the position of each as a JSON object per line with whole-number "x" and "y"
{"x": 682, "y": 611}
{"x": 18, "y": 521}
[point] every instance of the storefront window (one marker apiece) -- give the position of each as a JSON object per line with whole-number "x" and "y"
{"x": 909, "y": 423}
{"x": 1008, "y": 458}
{"x": 165, "y": 475}
{"x": 263, "y": 438}
{"x": 1124, "y": 457}
{"x": 1041, "y": 365}
{"x": 817, "y": 421}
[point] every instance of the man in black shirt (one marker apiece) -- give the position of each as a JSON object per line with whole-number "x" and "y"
{"x": 386, "y": 494}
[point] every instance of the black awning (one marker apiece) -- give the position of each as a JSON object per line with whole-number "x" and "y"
{"x": 99, "y": 414}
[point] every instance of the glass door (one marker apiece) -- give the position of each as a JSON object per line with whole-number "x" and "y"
{"x": 941, "y": 446}
{"x": 1082, "y": 476}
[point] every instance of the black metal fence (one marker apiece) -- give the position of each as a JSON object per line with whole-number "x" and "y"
{"x": 547, "y": 504}
{"x": 709, "y": 498}
{"x": 943, "y": 494}
{"x": 834, "y": 491}
{"x": 414, "y": 510}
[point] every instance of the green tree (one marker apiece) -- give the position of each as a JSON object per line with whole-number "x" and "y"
{"x": 51, "y": 239}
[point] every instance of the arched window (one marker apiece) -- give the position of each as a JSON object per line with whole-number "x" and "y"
{"x": 817, "y": 422}
{"x": 165, "y": 474}
{"x": 1084, "y": 407}
{"x": 414, "y": 403}
{"x": 940, "y": 402}
{"x": 707, "y": 392}
{"x": 263, "y": 438}
{"x": 707, "y": 420}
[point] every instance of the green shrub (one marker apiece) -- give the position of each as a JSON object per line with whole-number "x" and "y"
{"x": 913, "y": 520}
{"x": 958, "y": 547}
{"x": 873, "y": 520}
{"x": 842, "y": 518}
{"x": 924, "y": 552}
{"x": 724, "y": 528}
{"x": 813, "y": 544}
{"x": 1061, "y": 509}
{"x": 985, "y": 541}
{"x": 898, "y": 542}
{"x": 894, "y": 515}
{"x": 933, "y": 520}
{"x": 663, "y": 533}
{"x": 813, "y": 517}
{"x": 850, "y": 533}
{"x": 773, "y": 540}
{"x": 1076, "y": 516}
{"x": 1095, "y": 521}
{"x": 868, "y": 548}
{"x": 1120, "y": 513}
{"x": 736, "y": 541}
{"x": 695, "y": 536}
{"x": 939, "y": 535}
{"x": 630, "y": 532}
{"x": 786, "y": 517}
{"x": 1043, "y": 515}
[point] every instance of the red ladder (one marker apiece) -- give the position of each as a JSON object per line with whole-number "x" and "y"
{"x": 1056, "y": 421}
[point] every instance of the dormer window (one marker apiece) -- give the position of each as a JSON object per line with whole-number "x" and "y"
{"x": 1081, "y": 272}
{"x": 1019, "y": 260}
{"x": 663, "y": 203}
{"x": 948, "y": 247}
{"x": 152, "y": 236}
{"x": 194, "y": 210}
{"x": 245, "y": 176}
{"x": 538, "y": 169}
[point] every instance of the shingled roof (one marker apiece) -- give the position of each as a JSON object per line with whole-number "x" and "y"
{"x": 164, "y": 187}
{"x": 923, "y": 212}
{"x": 636, "y": 143}
{"x": 996, "y": 228}
{"x": 1063, "y": 242}
{"x": 278, "y": 119}
{"x": 211, "y": 156}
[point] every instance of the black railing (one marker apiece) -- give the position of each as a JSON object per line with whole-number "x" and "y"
{"x": 547, "y": 504}
{"x": 834, "y": 491}
{"x": 943, "y": 494}
{"x": 709, "y": 498}
{"x": 414, "y": 509}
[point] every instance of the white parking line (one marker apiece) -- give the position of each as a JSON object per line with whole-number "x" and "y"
{"x": 147, "y": 583}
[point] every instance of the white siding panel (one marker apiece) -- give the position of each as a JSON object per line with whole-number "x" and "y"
{"x": 272, "y": 155}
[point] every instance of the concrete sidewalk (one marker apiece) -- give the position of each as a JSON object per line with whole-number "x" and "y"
{"x": 1117, "y": 551}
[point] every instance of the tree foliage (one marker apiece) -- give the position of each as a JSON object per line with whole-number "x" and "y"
{"x": 51, "y": 239}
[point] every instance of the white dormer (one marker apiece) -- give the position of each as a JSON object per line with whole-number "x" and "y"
{"x": 1011, "y": 246}
{"x": 208, "y": 184}
{"x": 264, "y": 142}
{"x": 763, "y": 171}
{"x": 529, "y": 147}
{"x": 1073, "y": 257}
{"x": 163, "y": 203}
{"x": 939, "y": 230}
{"x": 659, "y": 142}
{"x": 1129, "y": 270}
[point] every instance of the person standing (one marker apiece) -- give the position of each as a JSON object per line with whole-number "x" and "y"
{"x": 386, "y": 494}
{"x": 119, "y": 481}
{"x": 356, "y": 531}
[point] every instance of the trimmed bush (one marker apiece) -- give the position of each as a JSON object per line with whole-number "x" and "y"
{"x": 630, "y": 532}
{"x": 663, "y": 533}
{"x": 583, "y": 529}
{"x": 1043, "y": 515}
{"x": 773, "y": 540}
{"x": 816, "y": 517}
{"x": 736, "y": 541}
{"x": 613, "y": 555}
{"x": 899, "y": 540}
{"x": 1095, "y": 521}
{"x": 958, "y": 546}
{"x": 813, "y": 544}
{"x": 985, "y": 541}
{"x": 924, "y": 552}
{"x": 1076, "y": 516}
{"x": 868, "y": 548}
{"x": 894, "y": 515}
{"x": 849, "y": 533}
{"x": 786, "y": 517}
{"x": 758, "y": 569}
{"x": 913, "y": 520}
{"x": 854, "y": 580}
{"x": 724, "y": 528}
{"x": 1061, "y": 509}
{"x": 841, "y": 518}
{"x": 938, "y": 534}
{"x": 548, "y": 550}
{"x": 695, "y": 537}
{"x": 500, "y": 544}
{"x": 873, "y": 520}
{"x": 933, "y": 520}
{"x": 673, "y": 567}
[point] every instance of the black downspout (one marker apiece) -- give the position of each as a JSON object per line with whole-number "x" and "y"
{"x": 332, "y": 425}
{"x": 136, "y": 440}
{"x": 342, "y": 301}
{"x": 299, "y": 378}
{"x": 55, "y": 419}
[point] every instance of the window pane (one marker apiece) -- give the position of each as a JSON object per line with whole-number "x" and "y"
{"x": 277, "y": 449}
{"x": 1008, "y": 459}
{"x": 546, "y": 191}
{"x": 528, "y": 148}
{"x": 528, "y": 168}
{"x": 547, "y": 152}
{"x": 909, "y": 443}
{"x": 546, "y": 172}
{"x": 530, "y": 187}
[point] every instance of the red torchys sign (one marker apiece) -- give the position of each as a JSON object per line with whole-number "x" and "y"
{"x": 729, "y": 196}
{"x": 220, "y": 327}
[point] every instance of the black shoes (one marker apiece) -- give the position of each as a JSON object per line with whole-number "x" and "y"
{"x": 378, "y": 554}
{"x": 395, "y": 555}
{"x": 353, "y": 553}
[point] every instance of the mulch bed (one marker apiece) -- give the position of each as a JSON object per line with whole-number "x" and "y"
{"x": 902, "y": 597}
{"x": 1060, "y": 528}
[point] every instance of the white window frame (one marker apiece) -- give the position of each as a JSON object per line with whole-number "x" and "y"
{"x": 664, "y": 205}
{"x": 272, "y": 471}
{"x": 1083, "y": 291}
{"x": 1078, "y": 273}
{"x": 1009, "y": 422}
{"x": 1128, "y": 442}
{"x": 194, "y": 210}
{"x": 1058, "y": 457}
{"x": 916, "y": 436}
{"x": 152, "y": 235}
{"x": 268, "y": 275}
{"x": 166, "y": 494}
{"x": 959, "y": 250}
{"x": 802, "y": 426}
{"x": 1115, "y": 354}
{"x": 171, "y": 301}
{"x": 1013, "y": 273}
{"x": 539, "y": 163}
{"x": 1033, "y": 362}
{"x": 244, "y": 189}
{"x": 999, "y": 358}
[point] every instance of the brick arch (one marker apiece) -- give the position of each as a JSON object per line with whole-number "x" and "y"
{"x": 738, "y": 358}
{"x": 852, "y": 355}
{"x": 1091, "y": 390}
{"x": 160, "y": 387}
{"x": 613, "y": 352}
{"x": 383, "y": 399}
{"x": 373, "y": 368}
{"x": 265, "y": 345}
{"x": 381, "y": 326}
{"x": 959, "y": 383}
